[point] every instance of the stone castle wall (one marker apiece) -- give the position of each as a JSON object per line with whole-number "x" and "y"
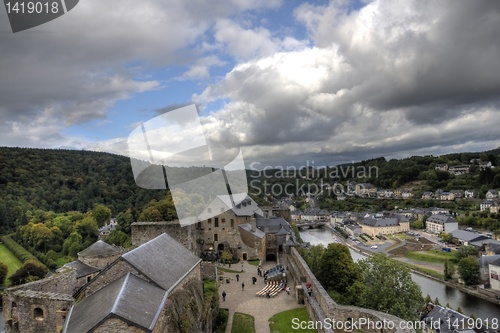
{"x": 99, "y": 261}
{"x": 320, "y": 305}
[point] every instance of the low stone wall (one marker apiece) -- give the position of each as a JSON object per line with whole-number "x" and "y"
{"x": 208, "y": 270}
{"x": 321, "y": 306}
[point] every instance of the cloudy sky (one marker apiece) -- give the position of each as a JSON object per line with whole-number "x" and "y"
{"x": 286, "y": 81}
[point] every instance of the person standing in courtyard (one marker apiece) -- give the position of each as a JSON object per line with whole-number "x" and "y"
{"x": 237, "y": 277}
{"x": 224, "y": 296}
{"x": 243, "y": 286}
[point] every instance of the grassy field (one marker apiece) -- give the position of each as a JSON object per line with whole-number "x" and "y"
{"x": 10, "y": 260}
{"x": 254, "y": 262}
{"x": 243, "y": 323}
{"x": 282, "y": 322}
{"x": 431, "y": 256}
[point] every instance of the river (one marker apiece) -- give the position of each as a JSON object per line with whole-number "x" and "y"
{"x": 456, "y": 298}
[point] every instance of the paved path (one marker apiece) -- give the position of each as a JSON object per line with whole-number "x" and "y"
{"x": 245, "y": 301}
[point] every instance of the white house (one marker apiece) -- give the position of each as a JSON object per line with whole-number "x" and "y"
{"x": 492, "y": 194}
{"x": 469, "y": 193}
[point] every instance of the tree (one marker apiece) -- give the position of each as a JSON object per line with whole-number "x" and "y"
{"x": 73, "y": 244}
{"x": 102, "y": 214}
{"x": 31, "y": 270}
{"x": 417, "y": 224}
{"x": 339, "y": 275}
{"x": 389, "y": 287}
{"x": 124, "y": 220}
{"x": 469, "y": 270}
{"x": 3, "y": 273}
{"x": 226, "y": 256}
{"x": 448, "y": 270}
{"x": 465, "y": 252}
{"x": 119, "y": 238}
{"x": 448, "y": 238}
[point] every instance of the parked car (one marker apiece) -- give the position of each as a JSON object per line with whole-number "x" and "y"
{"x": 374, "y": 246}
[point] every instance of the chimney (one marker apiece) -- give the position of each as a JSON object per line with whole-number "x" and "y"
{"x": 253, "y": 223}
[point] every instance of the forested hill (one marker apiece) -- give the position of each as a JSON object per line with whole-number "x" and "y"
{"x": 73, "y": 180}
{"x": 68, "y": 180}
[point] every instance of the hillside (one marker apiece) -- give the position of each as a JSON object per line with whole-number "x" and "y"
{"x": 66, "y": 180}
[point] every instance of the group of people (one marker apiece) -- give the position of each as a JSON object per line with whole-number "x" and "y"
{"x": 260, "y": 272}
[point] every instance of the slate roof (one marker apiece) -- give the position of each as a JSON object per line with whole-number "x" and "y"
{"x": 484, "y": 261}
{"x": 130, "y": 298}
{"x": 81, "y": 268}
{"x": 100, "y": 248}
{"x": 495, "y": 263}
{"x": 440, "y": 218}
{"x": 163, "y": 260}
{"x": 257, "y": 233}
{"x": 439, "y": 315}
{"x": 467, "y": 236}
{"x": 275, "y": 224}
{"x": 494, "y": 245}
{"x": 244, "y": 205}
{"x": 378, "y": 223}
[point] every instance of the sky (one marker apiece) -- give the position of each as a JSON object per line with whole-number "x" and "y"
{"x": 284, "y": 82}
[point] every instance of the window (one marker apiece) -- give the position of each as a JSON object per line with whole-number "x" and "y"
{"x": 216, "y": 238}
{"x": 216, "y": 222}
{"x": 222, "y": 210}
{"x": 209, "y": 221}
{"x": 232, "y": 223}
{"x": 223, "y": 220}
{"x": 209, "y": 210}
{"x": 38, "y": 314}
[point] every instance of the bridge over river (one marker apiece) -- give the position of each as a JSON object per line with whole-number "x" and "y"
{"x": 304, "y": 225}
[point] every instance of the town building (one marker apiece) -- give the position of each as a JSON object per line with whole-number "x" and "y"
{"x": 384, "y": 226}
{"x": 438, "y": 223}
{"x": 495, "y": 275}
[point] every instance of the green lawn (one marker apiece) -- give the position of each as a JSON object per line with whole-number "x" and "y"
{"x": 13, "y": 264}
{"x": 431, "y": 256}
{"x": 243, "y": 323}
{"x": 254, "y": 262}
{"x": 284, "y": 322}
{"x": 221, "y": 271}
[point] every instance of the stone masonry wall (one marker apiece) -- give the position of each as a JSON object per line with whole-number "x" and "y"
{"x": 116, "y": 325}
{"x": 320, "y": 305}
{"x": 208, "y": 270}
{"x": 182, "y": 312}
{"x": 113, "y": 273}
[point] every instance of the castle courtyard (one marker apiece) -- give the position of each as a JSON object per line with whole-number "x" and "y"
{"x": 245, "y": 301}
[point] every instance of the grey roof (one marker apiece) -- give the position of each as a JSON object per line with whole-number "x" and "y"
{"x": 248, "y": 228}
{"x": 385, "y": 222}
{"x": 495, "y": 263}
{"x": 274, "y": 224}
{"x": 439, "y": 315}
{"x": 484, "y": 261}
{"x": 467, "y": 235}
{"x": 100, "y": 248}
{"x": 129, "y": 297}
{"x": 81, "y": 268}
{"x": 282, "y": 232}
{"x": 440, "y": 218}
{"x": 244, "y": 206}
{"x": 163, "y": 260}
{"x": 493, "y": 244}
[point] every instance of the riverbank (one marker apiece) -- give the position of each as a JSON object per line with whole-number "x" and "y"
{"x": 415, "y": 270}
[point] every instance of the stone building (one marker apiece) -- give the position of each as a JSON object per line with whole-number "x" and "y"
{"x": 157, "y": 287}
{"x": 384, "y": 226}
{"x": 438, "y": 223}
{"x": 42, "y": 306}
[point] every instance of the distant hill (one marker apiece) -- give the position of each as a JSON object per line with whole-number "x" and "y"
{"x": 65, "y": 180}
